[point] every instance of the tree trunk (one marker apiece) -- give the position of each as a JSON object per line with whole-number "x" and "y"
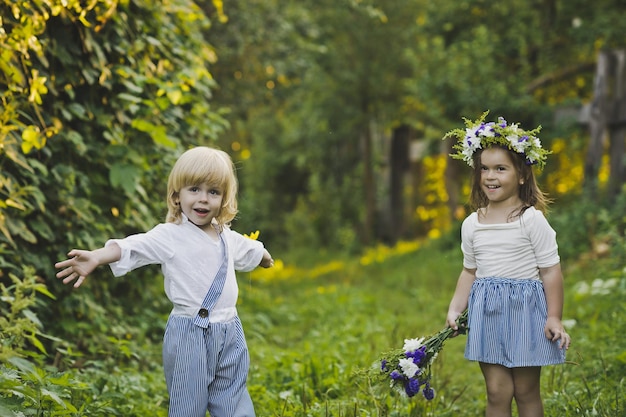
{"x": 398, "y": 164}
{"x": 368, "y": 184}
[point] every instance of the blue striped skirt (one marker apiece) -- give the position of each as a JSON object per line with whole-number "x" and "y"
{"x": 506, "y": 322}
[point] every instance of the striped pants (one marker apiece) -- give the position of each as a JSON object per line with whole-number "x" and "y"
{"x": 506, "y": 322}
{"x": 206, "y": 369}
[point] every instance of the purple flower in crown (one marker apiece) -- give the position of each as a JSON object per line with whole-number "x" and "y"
{"x": 524, "y": 138}
{"x": 395, "y": 375}
{"x": 501, "y": 122}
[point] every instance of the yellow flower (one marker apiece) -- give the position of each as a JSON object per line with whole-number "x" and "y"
{"x": 253, "y": 235}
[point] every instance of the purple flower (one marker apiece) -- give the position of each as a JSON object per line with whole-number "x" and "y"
{"x": 412, "y": 387}
{"x": 502, "y": 122}
{"x": 523, "y": 138}
{"x": 417, "y": 355}
{"x": 383, "y": 365}
{"x": 428, "y": 392}
{"x": 395, "y": 375}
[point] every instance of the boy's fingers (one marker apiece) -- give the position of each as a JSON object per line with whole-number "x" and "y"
{"x": 79, "y": 282}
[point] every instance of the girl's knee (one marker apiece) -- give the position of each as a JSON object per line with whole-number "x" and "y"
{"x": 527, "y": 384}
{"x": 499, "y": 394}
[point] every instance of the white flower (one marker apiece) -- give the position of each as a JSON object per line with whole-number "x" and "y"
{"x": 409, "y": 368}
{"x": 411, "y": 345}
{"x": 283, "y": 395}
{"x": 487, "y": 130}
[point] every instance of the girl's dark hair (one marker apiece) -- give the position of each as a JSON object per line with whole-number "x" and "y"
{"x": 529, "y": 191}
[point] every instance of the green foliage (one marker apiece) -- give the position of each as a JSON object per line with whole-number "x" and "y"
{"x": 98, "y": 98}
{"x": 116, "y": 89}
{"x": 97, "y": 101}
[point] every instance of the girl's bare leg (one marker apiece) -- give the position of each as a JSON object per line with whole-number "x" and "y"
{"x": 500, "y": 389}
{"x": 527, "y": 391}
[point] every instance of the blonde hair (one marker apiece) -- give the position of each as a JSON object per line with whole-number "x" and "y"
{"x": 529, "y": 191}
{"x": 203, "y": 165}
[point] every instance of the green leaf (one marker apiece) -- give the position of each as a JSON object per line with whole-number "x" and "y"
{"x": 22, "y": 364}
{"x": 33, "y": 339}
{"x": 5, "y": 412}
{"x": 55, "y": 397}
{"x": 32, "y": 317}
{"x": 124, "y": 176}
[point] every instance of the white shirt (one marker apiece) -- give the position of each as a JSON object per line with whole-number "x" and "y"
{"x": 509, "y": 250}
{"x": 189, "y": 260}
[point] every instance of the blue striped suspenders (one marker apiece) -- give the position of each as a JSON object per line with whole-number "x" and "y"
{"x": 211, "y": 297}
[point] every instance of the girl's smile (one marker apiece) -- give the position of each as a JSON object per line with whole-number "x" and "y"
{"x": 499, "y": 178}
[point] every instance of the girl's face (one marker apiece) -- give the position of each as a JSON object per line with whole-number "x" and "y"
{"x": 201, "y": 204}
{"x": 499, "y": 178}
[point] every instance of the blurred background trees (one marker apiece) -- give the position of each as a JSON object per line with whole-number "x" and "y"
{"x": 333, "y": 111}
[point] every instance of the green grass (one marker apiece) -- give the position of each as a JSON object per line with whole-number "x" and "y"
{"x": 309, "y": 333}
{"x": 313, "y": 325}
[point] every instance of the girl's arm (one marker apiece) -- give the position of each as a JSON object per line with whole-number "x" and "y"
{"x": 81, "y": 263}
{"x": 552, "y": 278}
{"x": 461, "y": 296}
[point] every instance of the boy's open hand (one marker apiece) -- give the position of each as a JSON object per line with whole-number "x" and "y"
{"x": 80, "y": 264}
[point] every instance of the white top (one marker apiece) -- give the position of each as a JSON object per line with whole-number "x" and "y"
{"x": 509, "y": 250}
{"x": 190, "y": 259}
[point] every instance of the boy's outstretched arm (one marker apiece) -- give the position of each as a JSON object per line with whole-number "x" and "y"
{"x": 81, "y": 263}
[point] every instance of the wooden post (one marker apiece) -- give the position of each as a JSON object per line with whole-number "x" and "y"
{"x": 617, "y": 124}
{"x": 607, "y": 112}
{"x": 597, "y": 124}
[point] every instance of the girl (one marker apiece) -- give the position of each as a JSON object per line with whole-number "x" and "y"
{"x": 205, "y": 356}
{"x": 511, "y": 279}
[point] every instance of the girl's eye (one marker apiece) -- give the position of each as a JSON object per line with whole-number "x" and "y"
{"x": 214, "y": 192}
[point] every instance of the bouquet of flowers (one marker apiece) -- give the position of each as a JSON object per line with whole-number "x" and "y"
{"x": 407, "y": 370}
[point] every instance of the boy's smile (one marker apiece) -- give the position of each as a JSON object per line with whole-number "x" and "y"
{"x": 201, "y": 204}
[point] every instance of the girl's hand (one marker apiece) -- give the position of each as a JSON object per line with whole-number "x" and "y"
{"x": 554, "y": 331}
{"x": 451, "y": 322}
{"x": 80, "y": 264}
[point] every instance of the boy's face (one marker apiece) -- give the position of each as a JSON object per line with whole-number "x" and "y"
{"x": 201, "y": 203}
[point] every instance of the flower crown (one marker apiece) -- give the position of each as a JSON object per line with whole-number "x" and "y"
{"x": 480, "y": 134}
